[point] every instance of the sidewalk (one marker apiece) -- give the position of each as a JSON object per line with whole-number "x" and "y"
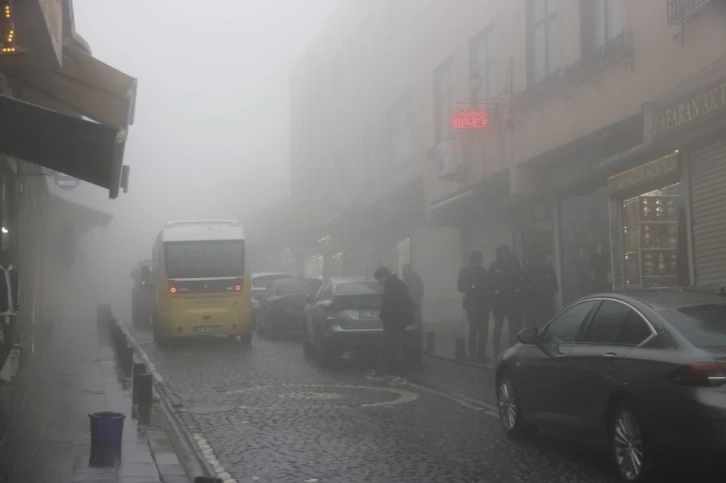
{"x": 446, "y": 334}
{"x": 68, "y": 371}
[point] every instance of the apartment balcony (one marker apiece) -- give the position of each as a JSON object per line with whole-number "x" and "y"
{"x": 617, "y": 49}
{"x": 680, "y": 11}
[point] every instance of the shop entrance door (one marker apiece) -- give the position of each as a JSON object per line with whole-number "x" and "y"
{"x": 536, "y": 240}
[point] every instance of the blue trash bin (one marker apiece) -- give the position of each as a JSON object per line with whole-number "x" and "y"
{"x": 107, "y": 428}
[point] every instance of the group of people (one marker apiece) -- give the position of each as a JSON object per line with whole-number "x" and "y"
{"x": 506, "y": 292}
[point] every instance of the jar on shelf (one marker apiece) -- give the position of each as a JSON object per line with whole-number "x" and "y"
{"x": 647, "y": 237}
{"x": 672, "y": 210}
{"x": 673, "y": 263}
{"x": 660, "y": 213}
{"x": 648, "y": 265}
{"x": 662, "y": 268}
{"x": 647, "y": 209}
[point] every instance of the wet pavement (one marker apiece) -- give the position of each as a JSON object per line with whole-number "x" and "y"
{"x": 69, "y": 370}
{"x": 267, "y": 413}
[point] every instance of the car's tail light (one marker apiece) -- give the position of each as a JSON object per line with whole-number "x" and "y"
{"x": 238, "y": 284}
{"x": 172, "y": 288}
{"x": 699, "y": 374}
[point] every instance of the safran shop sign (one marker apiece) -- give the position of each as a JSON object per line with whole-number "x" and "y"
{"x": 697, "y": 105}
{"x": 65, "y": 182}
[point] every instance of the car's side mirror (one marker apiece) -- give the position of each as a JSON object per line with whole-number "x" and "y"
{"x": 529, "y": 336}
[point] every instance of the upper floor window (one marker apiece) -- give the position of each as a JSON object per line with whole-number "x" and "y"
{"x": 399, "y": 132}
{"x": 600, "y": 21}
{"x": 394, "y": 12}
{"x": 365, "y": 156}
{"x": 543, "y": 32}
{"x": 483, "y": 61}
{"x": 443, "y": 100}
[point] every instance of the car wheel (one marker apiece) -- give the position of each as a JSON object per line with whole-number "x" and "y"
{"x": 159, "y": 340}
{"x": 631, "y": 454}
{"x": 245, "y": 339}
{"x": 308, "y": 347}
{"x": 324, "y": 354}
{"x": 510, "y": 414}
{"x": 413, "y": 359}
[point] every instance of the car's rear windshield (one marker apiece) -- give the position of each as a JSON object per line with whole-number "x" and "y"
{"x": 702, "y": 325}
{"x": 358, "y": 288}
{"x": 264, "y": 281}
{"x": 294, "y": 287}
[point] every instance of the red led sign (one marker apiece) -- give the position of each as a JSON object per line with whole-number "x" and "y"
{"x": 469, "y": 119}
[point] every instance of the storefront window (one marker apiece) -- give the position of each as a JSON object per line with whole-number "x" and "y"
{"x": 652, "y": 243}
{"x": 403, "y": 254}
{"x": 537, "y": 242}
{"x": 336, "y": 265}
{"x": 585, "y": 246}
{"x": 314, "y": 266}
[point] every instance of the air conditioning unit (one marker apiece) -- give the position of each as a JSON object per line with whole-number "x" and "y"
{"x": 450, "y": 161}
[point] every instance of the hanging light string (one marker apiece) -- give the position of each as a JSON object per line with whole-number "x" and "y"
{"x": 8, "y": 28}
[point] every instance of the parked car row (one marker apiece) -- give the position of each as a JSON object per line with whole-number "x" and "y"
{"x": 331, "y": 318}
{"x": 642, "y": 373}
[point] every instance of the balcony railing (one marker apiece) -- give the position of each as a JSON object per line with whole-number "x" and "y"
{"x": 539, "y": 91}
{"x": 614, "y": 50}
{"x": 681, "y": 10}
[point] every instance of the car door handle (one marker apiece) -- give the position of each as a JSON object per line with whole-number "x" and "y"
{"x": 610, "y": 354}
{"x": 559, "y": 355}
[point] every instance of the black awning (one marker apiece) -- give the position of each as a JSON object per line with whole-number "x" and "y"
{"x": 83, "y": 149}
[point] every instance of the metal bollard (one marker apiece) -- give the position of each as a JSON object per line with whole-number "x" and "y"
{"x": 139, "y": 368}
{"x": 145, "y": 390}
{"x": 127, "y": 358}
{"x": 431, "y": 342}
{"x": 460, "y": 348}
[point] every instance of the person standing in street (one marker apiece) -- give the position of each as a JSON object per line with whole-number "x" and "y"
{"x": 474, "y": 284}
{"x": 396, "y": 314}
{"x": 539, "y": 286}
{"x": 415, "y": 285}
{"x": 505, "y": 275}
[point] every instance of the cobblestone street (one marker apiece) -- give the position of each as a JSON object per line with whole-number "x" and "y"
{"x": 270, "y": 414}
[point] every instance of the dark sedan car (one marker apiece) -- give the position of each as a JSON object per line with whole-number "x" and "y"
{"x": 281, "y": 306}
{"x": 343, "y": 317}
{"x": 638, "y": 371}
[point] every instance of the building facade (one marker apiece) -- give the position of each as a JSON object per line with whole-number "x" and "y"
{"x": 603, "y": 148}
{"x": 64, "y": 118}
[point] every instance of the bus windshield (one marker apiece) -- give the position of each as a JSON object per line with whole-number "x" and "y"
{"x": 204, "y": 259}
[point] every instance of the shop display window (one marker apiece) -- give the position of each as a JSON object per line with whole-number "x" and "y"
{"x": 650, "y": 238}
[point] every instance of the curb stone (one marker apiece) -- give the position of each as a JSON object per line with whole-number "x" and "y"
{"x": 192, "y": 459}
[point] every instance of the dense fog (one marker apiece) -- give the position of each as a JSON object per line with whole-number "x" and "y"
{"x": 210, "y": 138}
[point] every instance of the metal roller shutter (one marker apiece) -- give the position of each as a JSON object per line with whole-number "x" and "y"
{"x": 708, "y": 205}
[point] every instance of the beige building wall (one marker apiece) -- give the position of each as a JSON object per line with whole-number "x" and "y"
{"x": 373, "y": 53}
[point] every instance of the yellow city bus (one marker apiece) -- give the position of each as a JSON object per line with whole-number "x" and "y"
{"x": 199, "y": 283}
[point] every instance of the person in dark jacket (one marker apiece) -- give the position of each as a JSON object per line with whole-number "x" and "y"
{"x": 396, "y": 314}
{"x": 415, "y": 285}
{"x": 539, "y": 286}
{"x": 505, "y": 276}
{"x": 474, "y": 284}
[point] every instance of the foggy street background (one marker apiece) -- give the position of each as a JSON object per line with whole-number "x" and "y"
{"x": 212, "y": 119}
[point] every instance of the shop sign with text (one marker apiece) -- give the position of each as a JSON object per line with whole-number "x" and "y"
{"x": 688, "y": 109}
{"x": 469, "y": 119}
{"x": 660, "y": 169}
